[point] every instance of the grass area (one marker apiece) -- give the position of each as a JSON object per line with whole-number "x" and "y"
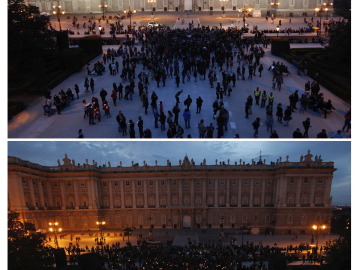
{"x": 335, "y": 76}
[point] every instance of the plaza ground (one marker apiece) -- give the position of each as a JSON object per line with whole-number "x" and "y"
{"x": 180, "y": 237}
{"x": 32, "y": 123}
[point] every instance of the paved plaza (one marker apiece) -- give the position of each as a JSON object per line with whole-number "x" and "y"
{"x": 32, "y": 123}
{"x": 181, "y": 237}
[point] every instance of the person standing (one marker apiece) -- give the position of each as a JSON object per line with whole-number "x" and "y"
{"x": 131, "y": 129}
{"x": 140, "y": 125}
{"x": 287, "y": 116}
{"x": 263, "y": 99}
{"x": 256, "y": 125}
{"x": 162, "y": 120}
{"x": 187, "y": 116}
{"x": 202, "y": 129}
{"x": 199, "y": 103}
{"x": 261, "y": 68}
{"x": 257, "y": 94}
{"x": 306, "y": 125}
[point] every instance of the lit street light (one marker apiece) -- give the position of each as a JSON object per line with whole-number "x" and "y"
{"x": 101, "y": 225}
{"x": 317, "y": 228}
{"x": 55, "y": 229}
{"x": 277, "y": 31}
{"x": 153, "y": 2}
{"x": 320, "y": 11}
{"x": 103, "y": 5}
{"x": 244, "y": 11}
{"x": 130, "y": 12}
{"x": 223, "y": 7}
{"x": 327, "y": 5}
{"x": 58, "y": 12}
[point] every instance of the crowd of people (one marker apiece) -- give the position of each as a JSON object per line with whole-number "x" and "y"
{"x": 179, "y": 57}
{"x": 223, "y": 254}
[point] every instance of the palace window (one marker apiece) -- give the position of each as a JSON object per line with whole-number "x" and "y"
{"x": 269, "y": 182}
{"x": 104, "y": 184}
{"x": 222, "y": 182}
{"x": 139, "y": 183}
{"x": 127, "y": 183}
{"x": 257, "y": 182}
{"x": 291, "y": 180}
{"x": 245, "y": 182}
{"x": 25, "y": 183}
{"x": 69, "y": 184}
{"x": 306, "y": 180}
{"x": 151, "y": 183}
{"x": 116, "y": 183}
{"x": 320, "y": 181}
{"x": 162, "y": 182}
{"x": 82, "y": 184}
{"x": 210, "y": 181}
{"x": 174, "y": 182}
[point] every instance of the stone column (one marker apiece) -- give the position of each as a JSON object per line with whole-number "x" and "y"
{"x": 157, "y": 193}
{"x": 92, "y": 200}
{"x": 41, "y": 194}
{"x": 228, "y": 193}
{"x": 278, "y": 193}
{"x": 111, "y": 195}
{"x": 239, "y": 193}
{"x": 298, "y": 192}
{"x": 284, "y": 191}
{"x": 263, "y": 192}
{"x": 216, "y": 192}
{"x": 312, "y": 191}
{"x": 168, "y": 199}
{"x": 49, "y": 194}
{"x": 15, "y": 188}
{"x": 327, "y": 200}
{"x": 76, "y": 190}
{"x": 181, "y": 201}
{"x": 192, "y": 195}
{"x": 204, "y": 192}
{"x": 251, "y": 204}
{"x": 145, "y": 195}
{"x": 62, "y": 191}
{"x": 32, "y": 193}
{"x": 122, "y": 194}
{"x": 133, "y": 194}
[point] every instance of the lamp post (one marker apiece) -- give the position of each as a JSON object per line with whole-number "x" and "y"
{"x": 128, "y": 230}
{"x": 129, "y": 12}
{"x": 103, "y": 5}
{"x": 58, "y": 12}
{"x": 316, "y": 228}
{"x": 320, "y": 11}
{"x": 277, "y": 31}
{"x": 275, "y": 4}
{"x": 54, "y": 227}
{"x": 101, "y": 225}
{"x": 327, "y": 6}
{"x": 223, "y": 7}
{"x": 153, "y": 2}
{"x": 244, "y": 11}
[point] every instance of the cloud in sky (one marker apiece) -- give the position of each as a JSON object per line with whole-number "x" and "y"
{"x": 47, "y": 153}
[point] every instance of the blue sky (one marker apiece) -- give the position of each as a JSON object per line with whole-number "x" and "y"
{"x": 47, "y": 153}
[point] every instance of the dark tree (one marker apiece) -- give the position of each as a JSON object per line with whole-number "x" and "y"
{"x": 26, "y": 248}
{"x": 339, "y": 254}
{"x": 340, "y": 41}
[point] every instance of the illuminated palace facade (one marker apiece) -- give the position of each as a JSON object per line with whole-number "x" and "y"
{"x": 260, "y": 7}
{"x": 283, "y": 196}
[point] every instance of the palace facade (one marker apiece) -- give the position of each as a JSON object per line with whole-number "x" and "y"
{"x": 283, "y": 196}
{"x": 260, "y": 7}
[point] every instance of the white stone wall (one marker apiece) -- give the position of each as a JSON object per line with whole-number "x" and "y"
{"x": 86, "y": 6}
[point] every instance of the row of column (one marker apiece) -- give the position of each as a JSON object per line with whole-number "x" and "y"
{"x": 94, "y": 195}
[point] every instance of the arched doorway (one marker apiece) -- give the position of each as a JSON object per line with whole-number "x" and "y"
{"x": 187, "y": 222}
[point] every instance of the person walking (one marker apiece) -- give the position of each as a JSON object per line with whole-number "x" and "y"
{"x": 140, "y": 125}
{"x": 257, "y": 94}
{"x": 199, "y": 103}
{"x": 202, "y": 129}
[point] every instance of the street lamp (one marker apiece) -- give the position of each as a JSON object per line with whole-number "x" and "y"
{"x": 128, "y": 230}
{"x": 328, "y": 6}
{"x": 275, "y": 4}
{"x": 103, "y": 6}
{"x": 58, "y": 12}
{"x": 54, "y": 228}
{"x": 277, "y": 31}
{"x": 244, "y": 11}
{"x": 223, "y": 7}
{"x": 320, "y": 10}
{"x": 153, "y": 2}
{"x": 317, "y": 228}
{"x": 129, "y": 12}
{"x": 101, "y": 225}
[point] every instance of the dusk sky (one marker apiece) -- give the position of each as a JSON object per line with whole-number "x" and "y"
{"x": 47, "y": 153}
